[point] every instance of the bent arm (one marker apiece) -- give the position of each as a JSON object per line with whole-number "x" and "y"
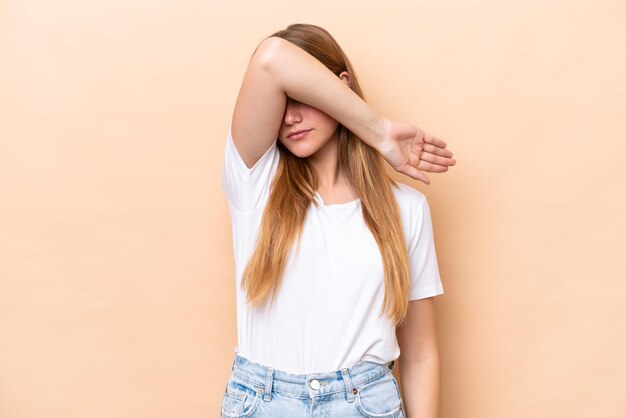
{"x": 302, "y": 77}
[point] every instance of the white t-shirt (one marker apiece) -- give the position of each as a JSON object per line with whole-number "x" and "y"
{"x": 325, "y": 314}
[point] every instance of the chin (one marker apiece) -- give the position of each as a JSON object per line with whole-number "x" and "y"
{"x": 302, "y": 150}
{"x": 302, "y": 154}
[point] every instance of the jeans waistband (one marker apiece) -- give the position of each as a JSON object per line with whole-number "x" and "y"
{"x": 265, "y": 379}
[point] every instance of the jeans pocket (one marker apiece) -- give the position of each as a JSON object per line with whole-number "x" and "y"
{"x": 380, "y": 398}
{"x": 240, "y": 399}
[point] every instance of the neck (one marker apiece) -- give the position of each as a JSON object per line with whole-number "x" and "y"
{"x": 324, "y": 164}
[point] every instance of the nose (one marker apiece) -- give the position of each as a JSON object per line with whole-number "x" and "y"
{"x": 292, "y": 115}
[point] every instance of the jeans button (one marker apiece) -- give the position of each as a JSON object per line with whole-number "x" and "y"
{"x": 315, "y": 384}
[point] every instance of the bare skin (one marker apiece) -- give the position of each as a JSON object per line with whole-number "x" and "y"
{"x": 319, "y": 147}
{"x": 408, "y": 149}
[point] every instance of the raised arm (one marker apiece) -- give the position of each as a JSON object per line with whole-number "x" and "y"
{"x": 407, "y": 148}
{"x": 307, "y": 80}
{"x": 279, "y": 68}
{"x": 259, "y": 108}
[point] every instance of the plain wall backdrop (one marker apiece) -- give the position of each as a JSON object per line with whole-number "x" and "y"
{"x": 117, "y": 294}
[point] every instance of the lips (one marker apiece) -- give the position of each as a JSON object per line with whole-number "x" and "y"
{"x": 297, "y": 132}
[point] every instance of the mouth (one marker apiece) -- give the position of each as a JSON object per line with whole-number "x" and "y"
{"x": 298, "y": 134}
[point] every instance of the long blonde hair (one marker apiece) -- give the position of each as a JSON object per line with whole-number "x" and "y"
{"x": 293, "y": 190}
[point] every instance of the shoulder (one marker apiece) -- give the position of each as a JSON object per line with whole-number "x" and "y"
{"x": 413, "y": 206}
{"x": 407, "y": 197}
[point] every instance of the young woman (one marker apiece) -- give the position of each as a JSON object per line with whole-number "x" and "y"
{"x": 336, "y": 267}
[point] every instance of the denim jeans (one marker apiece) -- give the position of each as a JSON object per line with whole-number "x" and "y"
{"x": 366, "y": 389}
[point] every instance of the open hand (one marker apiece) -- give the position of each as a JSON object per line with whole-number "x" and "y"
{"x": 409, "y": 149}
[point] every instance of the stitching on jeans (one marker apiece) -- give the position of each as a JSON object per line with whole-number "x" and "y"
{"x": 374, "y": 378}
{"x": 255, "y": 385}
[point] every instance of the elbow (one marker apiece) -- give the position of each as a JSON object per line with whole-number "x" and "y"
{"x": 267, "y": 51}
{"x": 429, "y": 355}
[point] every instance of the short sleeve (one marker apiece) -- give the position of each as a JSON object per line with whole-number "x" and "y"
{"x": 246, "y": 188}
{"x": 424, "y": 270}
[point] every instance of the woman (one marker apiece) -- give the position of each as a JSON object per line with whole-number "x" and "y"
{"x": 332, "y": 256}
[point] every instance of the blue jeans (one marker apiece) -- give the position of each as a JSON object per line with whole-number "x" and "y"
{"x": 366, "y": 389}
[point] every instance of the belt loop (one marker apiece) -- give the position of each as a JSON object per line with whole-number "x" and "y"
{"x": 348, "y": 382}
{"x": 234, "y": 358}
{"x": 268, "y": 384}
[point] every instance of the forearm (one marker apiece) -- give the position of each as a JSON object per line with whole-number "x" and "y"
{"x": 305, "y": 79}
{"x": 420, "y": 388}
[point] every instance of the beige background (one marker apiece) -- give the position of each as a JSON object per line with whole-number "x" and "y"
{"x": 116, "y": 270}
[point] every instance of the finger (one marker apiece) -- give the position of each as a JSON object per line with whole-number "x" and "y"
{"x": 436, "y": 159}
{"x": 428, "y": 138}
{"x": 433, "y": 168}
{"x": 433, "y": 149}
